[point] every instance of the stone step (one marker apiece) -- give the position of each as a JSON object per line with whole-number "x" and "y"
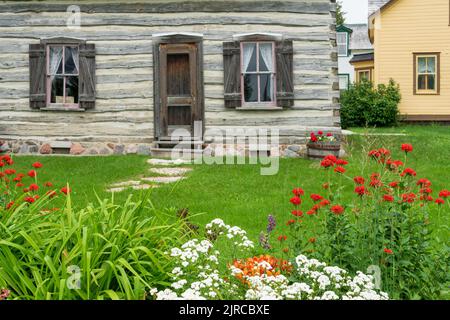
{"x": 168, "y": 153}
{"x": 178, "y": 171}
{"x": 163, "y": 179}
{"x": 167, "y": 162}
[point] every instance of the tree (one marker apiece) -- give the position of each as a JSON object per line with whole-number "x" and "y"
{"x": 340, "y": 15}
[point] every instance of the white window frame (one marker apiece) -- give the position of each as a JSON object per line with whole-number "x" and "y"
{"x": 435, "y": 73}
{"x": 342, "y": 44}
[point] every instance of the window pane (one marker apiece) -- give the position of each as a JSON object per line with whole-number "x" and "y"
{"x": 421, "y": 83}
{"x": 343, "y": 82}
{"x": 55, "y": 65}
{"x": 342, "y": 50}
{"x": 266, "y": 87}
{"x": 422, "y": 65}
{"x": 72, "y": 90}
{"x": 71, "y": 63}
{"x": 341, "y": 38}
{"x": 431, "y": 82}
{"x": 251, "y": 88}
{"x": 431, "y": 65}
{"x": 57, "y": 93}
{"x": 265, "y": 57}
{"x": 249, "y": 57}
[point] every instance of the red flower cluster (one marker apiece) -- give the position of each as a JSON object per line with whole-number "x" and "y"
{"x": 407, "y": 147}
{"x": 12, "y": 183}
{"x": 388, "y": 251}
{"x": 444, "y": 194}
{"x": 409, "y": 197}
{"x": 337, "y": 209}
{"x": 359, "y": 180}
{"x": 361, "y": 190}
{"x": 316, "y": 197}
{"x": 408, "y": 172}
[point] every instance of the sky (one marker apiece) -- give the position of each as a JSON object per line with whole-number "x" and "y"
{"x": 356, "y": 10}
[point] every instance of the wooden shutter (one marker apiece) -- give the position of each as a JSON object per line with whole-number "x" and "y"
{"x": 232, "y": 74}
{"x": 284, "y": 53}
{"x": 86, "y": 85}
{"x": 37, "y": 76}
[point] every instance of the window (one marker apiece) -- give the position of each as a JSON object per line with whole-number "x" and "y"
{"x": 426, "y": 73}
{"x": 258, "y": 72}
{"x": 363, "y": 75}
{"x": 344, "y": 81}
{"x": 342, "y": 44}
{"x": 62, "y": 75}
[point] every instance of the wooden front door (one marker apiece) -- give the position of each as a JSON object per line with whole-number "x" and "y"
{"x": 180, "y": 89}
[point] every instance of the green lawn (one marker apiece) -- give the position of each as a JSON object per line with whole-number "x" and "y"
{"x": 238, "y": 193}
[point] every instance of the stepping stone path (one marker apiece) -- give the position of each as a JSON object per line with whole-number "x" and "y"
{"x": 170, "y": 173}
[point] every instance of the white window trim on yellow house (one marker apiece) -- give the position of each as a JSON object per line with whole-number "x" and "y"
{"x": 436, "y": 73}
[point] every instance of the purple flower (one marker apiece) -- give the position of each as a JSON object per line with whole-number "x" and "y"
{"x": 271, "y": 225}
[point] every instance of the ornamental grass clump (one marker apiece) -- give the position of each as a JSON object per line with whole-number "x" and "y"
{"x": 386, "y": 228}
{"x": 102, "y": 251}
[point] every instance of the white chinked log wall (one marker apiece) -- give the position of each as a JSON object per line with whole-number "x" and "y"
{"x": 122, "y": 33}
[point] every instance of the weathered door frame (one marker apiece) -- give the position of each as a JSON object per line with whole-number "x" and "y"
{"x": 177, "y": 43}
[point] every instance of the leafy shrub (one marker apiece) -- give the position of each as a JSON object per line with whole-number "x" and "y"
{"x": 386, "y": 229}
{"x": 363, "y": 105}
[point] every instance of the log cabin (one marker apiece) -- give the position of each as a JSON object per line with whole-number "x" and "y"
{"x": 103, "y": 77}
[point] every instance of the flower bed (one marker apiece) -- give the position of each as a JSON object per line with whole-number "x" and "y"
{"x": 196, "y": 274}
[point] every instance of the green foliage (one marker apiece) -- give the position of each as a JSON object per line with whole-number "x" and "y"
{"x": 117, "y": 249}
{"x": 340, "y": 15}
{"x": 386, "y": 228}
{"x": 363, "y": 105}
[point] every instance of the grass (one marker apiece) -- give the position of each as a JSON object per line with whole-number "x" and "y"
{"x": 238, "y": 193}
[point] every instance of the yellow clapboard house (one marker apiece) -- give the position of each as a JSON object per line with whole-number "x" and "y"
{"x": 411, "y": 40}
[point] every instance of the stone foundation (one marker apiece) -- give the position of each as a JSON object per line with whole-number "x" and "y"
{"x": 297, "y": 150}
{"x": 75, "y": 148}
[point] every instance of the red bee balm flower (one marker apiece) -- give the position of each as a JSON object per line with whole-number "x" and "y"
{"x": 324, "y": 203}
{"x": 359, "y": 180}
{"x": 341, "y": 162}
{"x": 29, "y": 199}
{"x": 9, "y": 205}
{"x": 326, "y": 163}
{"x": 424, "y": 183}
{"x": 393, "y": 184}
{"x": 37, "y": 165}
{"x": 297, "y": 213}
{"x": 298, "y": 192}
{"x": 10, "y": 171}
{"x": 440, "y": 201}
{"x": 33, "y": 187}
{"x": 316, "y": 197}
{"x": 388, "y": 251}
{"x": 360, "y": 190}
{"x": 408, "y": 172}
{"x": 408, "y": 197}
{"x": 388, "y": 198}
{"x": 407, "y": 147}
{"x": 296, "y": 201}
{"x": 65, "y": 190}
{"x": 337, "y": 209}
{"x": 48, "y": 184}
{"x": 444, "y": 194}
{"x": 32, "y": 173}
{"x": 339, "y": 169}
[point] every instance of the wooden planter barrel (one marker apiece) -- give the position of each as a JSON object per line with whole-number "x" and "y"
{"x": 318, "y": 150}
